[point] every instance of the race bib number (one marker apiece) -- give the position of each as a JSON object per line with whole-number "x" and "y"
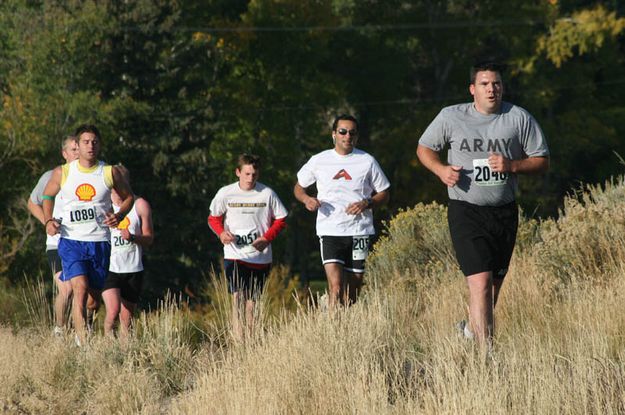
{"x": 360, "y": 248}
{"x": 244, "y": 239}
{"x": 484, "y": 176}
{"x": 119, "y": 242}
{"x": 83, "y": 215}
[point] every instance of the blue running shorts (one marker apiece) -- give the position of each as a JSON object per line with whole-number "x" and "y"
{"x": 85, "y": 258}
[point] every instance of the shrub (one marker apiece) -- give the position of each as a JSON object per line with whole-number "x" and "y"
{"x": 587, "y": 241}
{"x": 415, "y": 242}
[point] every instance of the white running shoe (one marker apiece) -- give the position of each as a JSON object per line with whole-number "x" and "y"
{"x": 324, "y": 303}
{"x": 463, "y": 327}
{"x": 58, "y": 331}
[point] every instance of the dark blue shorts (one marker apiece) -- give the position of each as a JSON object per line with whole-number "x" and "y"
{"x": 85, "y": 258}
{"x": 243, "y": 278}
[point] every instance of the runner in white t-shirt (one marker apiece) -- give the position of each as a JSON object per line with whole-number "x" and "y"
{"x": 350, "y": 183}
{"x": 247, "y": 216}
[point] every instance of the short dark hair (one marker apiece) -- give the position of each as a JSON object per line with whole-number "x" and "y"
{"x": 248, "y": 159}
{"x": 87, "y": 128}
{"x": 485, "y": 66}
{"x": 344, "y": 117}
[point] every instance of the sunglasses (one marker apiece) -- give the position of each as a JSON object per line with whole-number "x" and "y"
{"x": 344, "y": 131}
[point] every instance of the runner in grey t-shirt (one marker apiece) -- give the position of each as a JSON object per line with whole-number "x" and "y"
{"x": 490, "y": 142}
{"x": 69, "y": 151}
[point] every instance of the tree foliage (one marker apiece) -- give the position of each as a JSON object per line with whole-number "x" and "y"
{"x": 180, "y": 88}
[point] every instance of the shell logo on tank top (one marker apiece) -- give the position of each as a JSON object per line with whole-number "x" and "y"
{"x": 342, "y": 173}
{"x": 124, "y": 223}
{"x": 85, "y": 192}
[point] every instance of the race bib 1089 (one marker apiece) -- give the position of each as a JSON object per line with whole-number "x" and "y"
{"x": 83, "y": 215}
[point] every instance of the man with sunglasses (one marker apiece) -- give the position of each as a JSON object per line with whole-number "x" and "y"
{"x": 490, "y": 142}
{"x": 350, "y": 183}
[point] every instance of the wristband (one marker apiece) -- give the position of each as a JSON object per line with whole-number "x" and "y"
{"x": 49, "y": 220}
{"x": 369, "y": 202}
{"x": 132, "y": 238}
{"x": 46, "y": 197}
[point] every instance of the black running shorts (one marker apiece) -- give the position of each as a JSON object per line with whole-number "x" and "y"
{"x": 245, "y": 278}
{"x": 351, "y": 251}
{"x": 129, "y": 284}
{"x": 54, "y": 261}
{"x": 483, "y": 236}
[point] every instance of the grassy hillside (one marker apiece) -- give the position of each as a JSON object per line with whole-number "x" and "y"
{"x": 559, "y": 346}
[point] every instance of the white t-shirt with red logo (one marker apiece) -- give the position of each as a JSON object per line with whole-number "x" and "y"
{"x": 342, "y": 180}
{"x": 249, "y": 214}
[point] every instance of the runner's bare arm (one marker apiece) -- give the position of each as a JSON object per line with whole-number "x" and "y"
{"x": 311, "y": 203}
{"x": 52, "y": 189}
{"x": 144, "y": 211}
{"x": 36, "y": 210}
{"x": 375, "y": 200}
{"x": 529, "y": 165}
{"x": 122, "y": 187}
{"x": 431, "y": 160}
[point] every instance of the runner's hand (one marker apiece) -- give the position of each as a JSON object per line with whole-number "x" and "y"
{"x": 312, "y": 204}
{"x": 450, "y": 175}
{"x": 53, "y": 227}
{"x": 498, "y": 163}
{"x": 111, "y": 220}
{"x": 226, "y": 237}
{"x": 125, "y": 234}
{"x": 356, "y": 207}
{"x": 260, "y": 243}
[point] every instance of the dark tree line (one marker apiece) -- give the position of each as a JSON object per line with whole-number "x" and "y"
{"x": 179, "y": 89}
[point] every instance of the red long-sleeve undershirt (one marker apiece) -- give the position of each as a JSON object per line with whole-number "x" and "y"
{"x": 216, "y": 223}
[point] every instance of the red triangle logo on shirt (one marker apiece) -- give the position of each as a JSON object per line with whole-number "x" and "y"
{"x": 342, "y": 173}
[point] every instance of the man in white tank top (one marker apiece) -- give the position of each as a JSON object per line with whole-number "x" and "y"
{"x": 125, "y": 278}
{"x": 85, "y": 186}
{"x": 69, "y": 151}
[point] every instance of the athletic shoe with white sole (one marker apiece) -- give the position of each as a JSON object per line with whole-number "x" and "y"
{"x": 463, "y": 327}
{"x": 58, "y": 331}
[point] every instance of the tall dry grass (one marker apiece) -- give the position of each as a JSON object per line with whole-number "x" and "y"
{"x": 559, "y": 347}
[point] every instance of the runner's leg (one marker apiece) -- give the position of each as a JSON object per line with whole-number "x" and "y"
{"x": 79, "y": 288}
{"x": 481, "y": 306}
{"x": 334, "y": 274}
{"x": 112, "y": 303}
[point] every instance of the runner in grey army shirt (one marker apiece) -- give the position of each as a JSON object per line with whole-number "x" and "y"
{"x": 490, "y": 142}
{"x": 472, "y": 137}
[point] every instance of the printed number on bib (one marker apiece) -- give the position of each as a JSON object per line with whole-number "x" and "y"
{"x": 82, "y": 215}
{"x": 484, "y": 176}
{"x": 360, "y": 248}
{"x": 244, "y": 239}
{"x": 120, "y": 242}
